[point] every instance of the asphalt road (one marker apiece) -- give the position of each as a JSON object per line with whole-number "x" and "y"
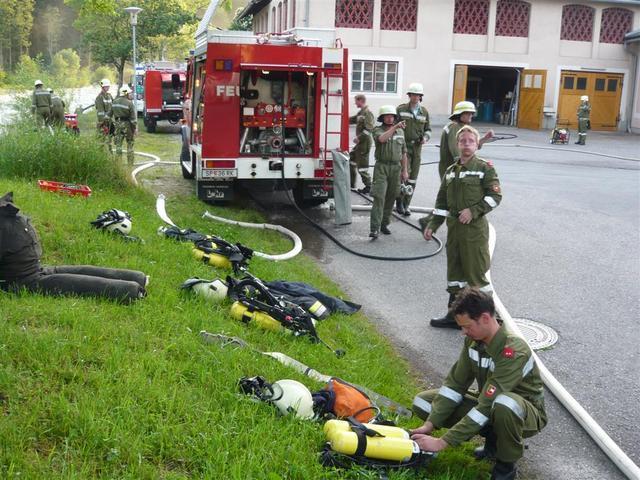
{"x": 567, "y": 255}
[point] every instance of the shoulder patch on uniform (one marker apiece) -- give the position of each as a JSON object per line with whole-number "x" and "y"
{"x": 496, "y": 188}
{"x": 508, "y": 352}
{"x": 490, "y": 391}
{"x": 489, "y": 162}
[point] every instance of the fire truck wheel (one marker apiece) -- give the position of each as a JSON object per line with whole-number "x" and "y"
{"x": 151, "y": 125}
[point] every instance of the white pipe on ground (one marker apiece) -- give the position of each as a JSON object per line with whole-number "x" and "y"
{"x": 602, "y": 439}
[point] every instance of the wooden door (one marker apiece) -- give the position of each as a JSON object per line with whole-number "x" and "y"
{"x": 459, "y": 84}
{"x": 532, "y": 85}
{"x": 605, "y": 101}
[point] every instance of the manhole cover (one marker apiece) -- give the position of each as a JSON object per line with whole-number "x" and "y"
{"x": 538, "y": 335}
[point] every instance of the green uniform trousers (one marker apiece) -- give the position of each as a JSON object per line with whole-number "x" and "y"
{"x": 414, "y": 158}
{"x": 386, "y": 185}
{"x": 359, "y": 162}
{"x": 513, "y": 418}
{"x": 42, "y": 116}
{"x": 106, "y": 130}
{"x": 124, "y": 130}
{"x": 582, "y": 130}
{"x": 467, "y": 254}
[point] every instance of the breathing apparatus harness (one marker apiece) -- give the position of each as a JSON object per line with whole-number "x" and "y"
{"x": 256, "y": 297}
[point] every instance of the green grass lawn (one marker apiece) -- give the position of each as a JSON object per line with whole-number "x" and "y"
{"x": 94, "y": 389}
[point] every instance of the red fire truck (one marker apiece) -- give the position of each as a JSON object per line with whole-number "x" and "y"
{"x": 264, "y": 112}
{"x": 161, "y": 88}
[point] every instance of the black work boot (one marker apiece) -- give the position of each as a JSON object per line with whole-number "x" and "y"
{"x": 447, "y": 320}
{"x": 385, "y": 229}
{"x": 399, "y": 206}
{"x": 504, "y": 471}
{"x": 488, "y": 451}
{"x": 365, "y": 190}
{"x": 374, "y": 234}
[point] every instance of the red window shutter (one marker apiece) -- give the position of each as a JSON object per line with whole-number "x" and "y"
{"x": 616, "y": 22}
{"x": 471, "y": 17}
{"x": 354, "y": 13}
{"x": 512, "y": 18}
{"x": 577, "y": 23}
{"x": 399, "y": 15}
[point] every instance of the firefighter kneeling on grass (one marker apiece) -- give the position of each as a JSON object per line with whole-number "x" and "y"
{"x": 126, "y": 122}
{"x": 510, "y": 403}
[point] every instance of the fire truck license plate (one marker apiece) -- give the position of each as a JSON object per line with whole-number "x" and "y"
{"x": 220, "y": 173}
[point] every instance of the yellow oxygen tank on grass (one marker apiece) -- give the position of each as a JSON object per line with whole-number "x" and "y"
{"x": 213, "y": 259}
{"x": 334, "y": 427}
{"x": 239, "y": 311}
{"x": 382, "y": 448}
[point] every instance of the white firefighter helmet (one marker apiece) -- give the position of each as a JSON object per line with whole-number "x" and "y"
{"x": 125, "y": 90}
{"x": 50, "y": 90}
{"x": 291, "y": 396}
{"x": 462, "y": 107}
{"x": 387, "y": 110}
{"x": 38, "y": 83}
{"x": 215, "y": 290}
{"x": 105, "y": 82}
{"x": 584, "y": 98}
{"x": 415, "y": 88}
{"x": 114, "y": 220}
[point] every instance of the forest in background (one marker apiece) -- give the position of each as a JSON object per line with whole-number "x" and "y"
{"x": 72, "y": 43}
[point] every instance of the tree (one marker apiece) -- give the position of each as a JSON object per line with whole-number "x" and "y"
{"x": 107, "y": 32}
{"x": 245, "y": 23}
{"x": 16, "y": 20}
{"x": 65, "y": 67}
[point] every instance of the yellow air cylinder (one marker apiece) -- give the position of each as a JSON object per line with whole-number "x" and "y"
{"x": 381, "y": 448}
{"x": 240, "y": 312}
{"x": 212, "y": 259}
{"x": 334, "y": 427}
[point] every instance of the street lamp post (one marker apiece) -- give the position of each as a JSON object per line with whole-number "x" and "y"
{"x": 133, "y": 17}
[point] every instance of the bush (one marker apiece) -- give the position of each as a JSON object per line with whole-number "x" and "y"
{"x": 102, "y": 72}
{"x": 65, "y": 68}
{"x": 32, "y": 153}
{"x": 28, "y": 71}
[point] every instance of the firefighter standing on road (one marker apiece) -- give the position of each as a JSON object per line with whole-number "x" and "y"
{"x": 416, "y": 133}
{"x": 103, "y": 104}
{"x": 41, "y": 104}
{"x": 469, "y": 190}
{"x": 359, "y": 156}
{"x": 584, "y": 111}
{"x": 57, "y": 110}
{"x": 510, "y": 404}
{"x": 390, "y": 168}
{"x": 126, "y": 122}
{"x": 462, "y": 115}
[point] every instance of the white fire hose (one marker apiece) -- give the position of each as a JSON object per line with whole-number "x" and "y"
{"x": 297, "y": 242}
{"x": 604, "y": 441}
{"x": 154, "y": 163}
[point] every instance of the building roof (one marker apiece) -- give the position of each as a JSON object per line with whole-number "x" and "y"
{"x": 255, "y": 6}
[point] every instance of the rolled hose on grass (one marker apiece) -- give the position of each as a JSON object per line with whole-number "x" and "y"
{"x": 297, "y": 243}
{"x": 600, "y": 437}
{"x": 154, "y": 163}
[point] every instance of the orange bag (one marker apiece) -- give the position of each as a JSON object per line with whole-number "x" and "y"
{"x": 343, "y": 400}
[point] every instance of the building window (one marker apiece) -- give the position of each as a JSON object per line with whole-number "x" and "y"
{"x": 273, "y": 19}
{"x": 372, "y": 76}
{"x": 581, "y": 83}
{"x": 568, "y": 83}
{"x": 471, "y": 17}
{"x": 279, "y": 17}
{"x": 616, "y": 22}
{"x": 577, "y": 23}
{"x": 512, "y": 18}
{"x": 399, "y": 15}
{"x": 354, "y": 13}
{"x": 285, "y": 11}
{"x": 293, "y": 13}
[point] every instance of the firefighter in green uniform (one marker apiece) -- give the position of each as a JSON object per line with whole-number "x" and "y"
{"x": 41, "y": 104}
{"x": 103, "y": 104}
{"x": 584, "y": 111}
{"x": 390, "y": 168}
{"x": 462, "y": 115}
{"x": 126, "y": 122}
{"x": 469, "y": 190}
{"x": 359, "y": 156}
{"x": 416, "y": 133}
{"x": 57, "y": 110}
{"x": 509, "y": 404}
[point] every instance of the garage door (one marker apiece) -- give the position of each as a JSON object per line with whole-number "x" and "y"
{"x": 604, "y": 91}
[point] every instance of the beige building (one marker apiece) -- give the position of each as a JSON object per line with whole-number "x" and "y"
{"x": 522, "y": 63}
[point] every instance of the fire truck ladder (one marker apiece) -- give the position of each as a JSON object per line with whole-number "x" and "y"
{"x": 326, "y": 153}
